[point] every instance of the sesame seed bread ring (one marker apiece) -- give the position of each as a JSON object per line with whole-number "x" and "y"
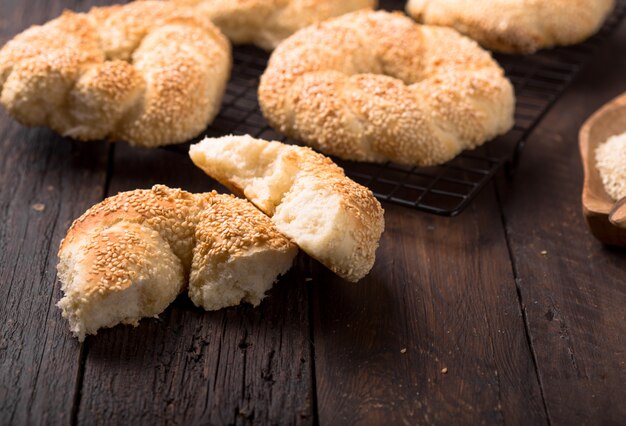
{"x": 149, "y": 73}
{"x": 376, "y": 86}
{"x": 267, "y": 22}
{"x": 310, "y": 199}
{"x": 516, "y": 26}
{"x": 130, "y": 256}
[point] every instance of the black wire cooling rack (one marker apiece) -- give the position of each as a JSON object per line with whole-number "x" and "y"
{"x": 447, "y": 189}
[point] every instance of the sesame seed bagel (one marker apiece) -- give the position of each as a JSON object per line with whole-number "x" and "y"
{"x": 310, "y": 199}
{"x": 611, "y": 163}
{"x": 130, "y": 256}
{"x": 516, "y": 26}
{"x": 267, "y": 22}
{"x": 149, "y": 73}
{"x": 376, "y": 86}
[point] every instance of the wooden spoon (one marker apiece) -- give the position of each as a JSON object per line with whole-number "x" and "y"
{"x": 606, "y": 218}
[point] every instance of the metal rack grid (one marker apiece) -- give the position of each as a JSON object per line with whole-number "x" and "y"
{"x": 447, "y": 189}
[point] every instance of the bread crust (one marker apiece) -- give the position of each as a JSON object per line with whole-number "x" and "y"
{"x": 516, "y": 26}
{"x": 155, "y": 241}
{"x": 149, "y": 73}
{"x": 266, "y": 23}
{"x": 295, "y": 184}
{"x": 375, "y": 86}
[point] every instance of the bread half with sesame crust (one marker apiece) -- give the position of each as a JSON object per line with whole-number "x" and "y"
{"x": 310, "y": 199}
{"x": 131, "y": 255}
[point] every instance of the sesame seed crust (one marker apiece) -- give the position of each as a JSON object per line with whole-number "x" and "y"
{"x": 150, "y": 73}
{"x": 358, "y": 216}
{"x": 159, "y": 236}
{"x": 266, "y": 23}
{"x": 516, "y": 26}
{"x": 376, "y": 86}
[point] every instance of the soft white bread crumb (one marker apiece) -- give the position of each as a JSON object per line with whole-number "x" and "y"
{"x": 238, "y": 254}
{"x": 332, "y": 218}
{"x": 246, "y": 279}
{"x": 129, "y": 256}
{"x": 611, "y": 163}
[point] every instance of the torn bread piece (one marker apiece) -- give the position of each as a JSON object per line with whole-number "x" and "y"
{"x": 131, "y": 255}
{"x": 310, "y": 199}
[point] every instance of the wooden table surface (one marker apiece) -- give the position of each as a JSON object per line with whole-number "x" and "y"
{"x": 510, "y": 313}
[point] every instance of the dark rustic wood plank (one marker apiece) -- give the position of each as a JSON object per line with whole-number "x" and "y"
{"x": 572, "y": 287}
{"x": 46, "y": 182}
{"x": 233, "y": 366}
{"x": 441, "y": 296}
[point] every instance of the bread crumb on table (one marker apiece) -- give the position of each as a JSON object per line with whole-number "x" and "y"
{"x": 544, "y": 252}
{"x": 444, "y": 370}
{"x": 403, "y": 350}
{"x": 38, "y": 207}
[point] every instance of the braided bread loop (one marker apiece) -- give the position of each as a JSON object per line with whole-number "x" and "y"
{"x": 149, "y": 73}
{"x": 375, "y": 86}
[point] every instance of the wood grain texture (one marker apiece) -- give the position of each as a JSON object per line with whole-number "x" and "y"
{"x": 572, "y": 287}
{"x": 46, "y": 182}
{"x": 234, "y": 366}
{"x": 433, "y": 335}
